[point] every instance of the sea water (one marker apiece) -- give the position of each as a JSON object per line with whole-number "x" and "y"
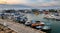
{"x": 55, "y": 25}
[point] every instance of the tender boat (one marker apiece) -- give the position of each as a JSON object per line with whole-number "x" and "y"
{"x": 45, "y": 28}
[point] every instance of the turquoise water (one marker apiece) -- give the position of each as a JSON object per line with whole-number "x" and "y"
{"x": 55, "y": 25}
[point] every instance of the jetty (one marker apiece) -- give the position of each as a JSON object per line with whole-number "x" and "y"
{"x": 19, "y": 28}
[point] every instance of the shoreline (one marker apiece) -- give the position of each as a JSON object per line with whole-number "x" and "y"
{"x": 20, "y": 28}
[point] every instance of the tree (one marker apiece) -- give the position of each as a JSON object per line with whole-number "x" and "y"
{"x": 33, "y": 10}
{"x": 52, "y": 10}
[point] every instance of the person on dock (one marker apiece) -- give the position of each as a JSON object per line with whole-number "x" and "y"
{"x": 5, "y": 24}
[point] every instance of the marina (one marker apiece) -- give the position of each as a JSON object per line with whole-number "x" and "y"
{"x": 29, "y": 16}
{"x": 31, "y": 22}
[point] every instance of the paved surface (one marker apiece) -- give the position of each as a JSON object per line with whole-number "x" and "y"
{"x": 20, "y": 28}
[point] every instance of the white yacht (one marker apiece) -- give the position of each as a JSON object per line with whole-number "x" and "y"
{"x": 57, "y": 18}
{"x": 50, "y": 17}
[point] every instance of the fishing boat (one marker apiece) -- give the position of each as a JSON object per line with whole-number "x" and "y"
{"x": 37, "y": 24}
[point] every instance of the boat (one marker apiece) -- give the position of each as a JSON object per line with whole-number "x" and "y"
{"x": 46, "y": 28}
{"x": 57, "y": 18}
{"x": 50, "y": 17}
{"x": 28, "y": 23}
{"x": 54, "y": 17}
{"x": 38, "y": 27}
{"x": 38, "y": 24}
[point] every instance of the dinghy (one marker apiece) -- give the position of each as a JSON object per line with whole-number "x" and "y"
{"x": 44, "y": 28}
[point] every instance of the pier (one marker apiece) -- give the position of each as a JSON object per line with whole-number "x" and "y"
{"x": 19, "y": 28}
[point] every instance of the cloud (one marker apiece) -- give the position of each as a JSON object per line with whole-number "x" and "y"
{"x": 15, "y": 1}
{"x": 34, "y": 3}
{"x": 47, "y": 3}
{"x": 2, "y": 2}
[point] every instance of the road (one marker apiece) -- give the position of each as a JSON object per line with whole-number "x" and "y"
{"x": 19, "y": 28}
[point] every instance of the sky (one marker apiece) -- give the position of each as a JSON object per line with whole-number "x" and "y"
{"x": 33, "y": 3}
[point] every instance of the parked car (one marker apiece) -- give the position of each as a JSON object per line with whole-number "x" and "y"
{"x": 15, "y": 16}
{"x": 21, "y": 19}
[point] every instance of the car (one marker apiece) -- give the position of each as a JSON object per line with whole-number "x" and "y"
{"x": 15, "y": 17}
{"x": 21, "y": 19}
